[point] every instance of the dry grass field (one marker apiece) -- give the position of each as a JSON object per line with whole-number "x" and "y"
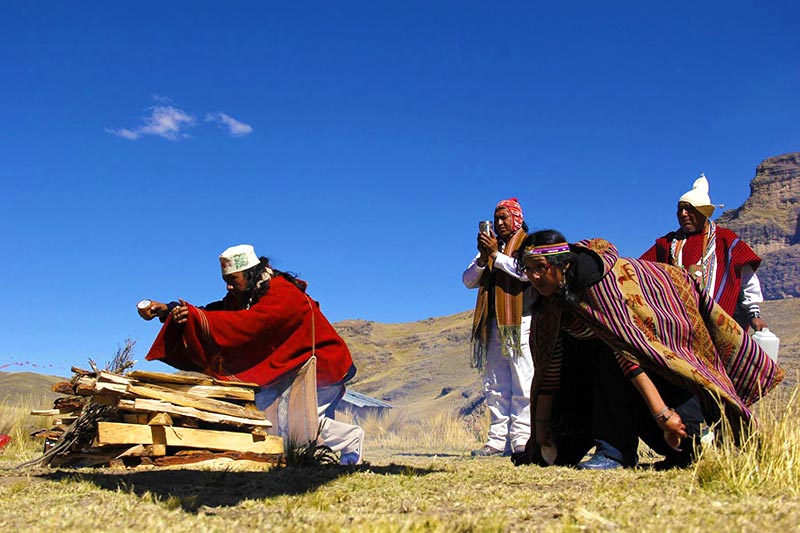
{"x": 419, "y": 475}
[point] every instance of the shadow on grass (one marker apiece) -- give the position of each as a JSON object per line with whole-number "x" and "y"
{"x": 193, "y": 489}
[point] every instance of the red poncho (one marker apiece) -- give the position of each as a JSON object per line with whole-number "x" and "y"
{"x": 732, "y": 253}
{"x": 261, "y": 344}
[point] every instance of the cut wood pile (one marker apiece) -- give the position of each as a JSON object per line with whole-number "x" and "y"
{"x": 155, "y": 418}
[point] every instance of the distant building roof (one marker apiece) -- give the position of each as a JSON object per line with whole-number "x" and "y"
{"x": 362, "y": 400}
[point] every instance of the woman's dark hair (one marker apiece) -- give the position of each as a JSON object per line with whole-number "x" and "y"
{"x": 551, "y": 236}
{"x": 254, "y": 292}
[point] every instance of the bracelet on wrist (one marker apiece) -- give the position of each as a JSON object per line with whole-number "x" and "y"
{"x": 663, "y": 415}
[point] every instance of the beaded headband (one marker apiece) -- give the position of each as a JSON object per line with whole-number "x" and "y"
{"x": 545, "y": 250}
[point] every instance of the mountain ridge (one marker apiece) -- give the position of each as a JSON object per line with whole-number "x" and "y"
{"x": 769, "y": 221}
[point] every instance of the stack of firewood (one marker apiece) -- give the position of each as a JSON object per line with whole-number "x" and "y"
{"x": 155, "y": 418}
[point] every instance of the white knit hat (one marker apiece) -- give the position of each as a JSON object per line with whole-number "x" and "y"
{"x": 698, "y": 197}
{"x": 238, "y": 258}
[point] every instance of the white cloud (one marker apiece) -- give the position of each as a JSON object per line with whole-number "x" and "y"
{"x": 235, "y": 128}
{"x": 169, "y": 122}
{"x": 164, "y": 121}
{"x": 124, "y": 133}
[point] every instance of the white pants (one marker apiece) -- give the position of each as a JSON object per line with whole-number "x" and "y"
{"x": 507, "y": 384}
{"x": 301, "y": 423}
{"x": 336, "y": 435}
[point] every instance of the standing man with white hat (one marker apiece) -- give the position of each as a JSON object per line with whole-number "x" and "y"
{"x": 721, "y": 262}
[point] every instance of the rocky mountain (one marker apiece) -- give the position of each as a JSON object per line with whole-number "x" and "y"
{"x": 768, "y": 221}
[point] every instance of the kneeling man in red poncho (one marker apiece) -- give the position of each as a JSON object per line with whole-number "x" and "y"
{"x": 263, "y": 331}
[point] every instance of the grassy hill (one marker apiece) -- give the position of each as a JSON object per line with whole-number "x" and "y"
{"x": 418, "y": 365}
{"x": 28, "y": 388}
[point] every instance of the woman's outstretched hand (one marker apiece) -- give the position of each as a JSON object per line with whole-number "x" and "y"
{"x": 674, "y": 430}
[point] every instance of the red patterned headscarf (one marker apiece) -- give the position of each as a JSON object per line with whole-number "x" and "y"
{"x": 512, "y": 204}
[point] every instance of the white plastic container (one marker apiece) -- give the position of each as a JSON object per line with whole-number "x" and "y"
{"x": 768, "y": 341}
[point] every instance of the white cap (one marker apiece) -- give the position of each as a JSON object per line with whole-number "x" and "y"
{"x": 698, "y": 197}
{"x": 238, "y": 258}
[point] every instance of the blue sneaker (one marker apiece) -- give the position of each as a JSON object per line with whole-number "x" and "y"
{"x": 599, "y": 462}
{"x": 350, "y": 458}
{"x": 354, "y": 457}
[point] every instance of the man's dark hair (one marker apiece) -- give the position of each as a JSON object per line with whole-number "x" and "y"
{"x": 253, "y": 292}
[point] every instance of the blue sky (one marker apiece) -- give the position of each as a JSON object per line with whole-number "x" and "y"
{"x": 357, "y": 144}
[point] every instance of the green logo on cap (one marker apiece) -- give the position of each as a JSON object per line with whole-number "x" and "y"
{"x": 239, "y": 261}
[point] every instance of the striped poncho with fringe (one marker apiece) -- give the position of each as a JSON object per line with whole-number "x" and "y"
{"x": 655, "y": 316}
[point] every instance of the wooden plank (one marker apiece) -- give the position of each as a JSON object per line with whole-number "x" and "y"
{"x": 106, "y": 399}
{"x": 215, "y": 391}
{"x": 85, "y": 386}
{"x": 116, "y": 388}
{"x": 162, "y": 377}
{"x": 45, "y": 412}
{"x": 69, "y": 404}
{"x": 157, "y": 406}
{"x": 226, "y": 392}
{"x": 209, "y": 388}
{"x": 205, "y": 456}
{"x": 116, "y": 433}
{"x": 159, "y": 434}
{"x": 190, "y": 400}
{"x": 113, "y": 378}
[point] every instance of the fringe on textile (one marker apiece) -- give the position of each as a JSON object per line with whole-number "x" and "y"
{"x": 510, "y": 346}
{"x": 478, "y": 359}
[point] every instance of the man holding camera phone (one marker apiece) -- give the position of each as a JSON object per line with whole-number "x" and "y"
{"x": 500, "y": 330}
